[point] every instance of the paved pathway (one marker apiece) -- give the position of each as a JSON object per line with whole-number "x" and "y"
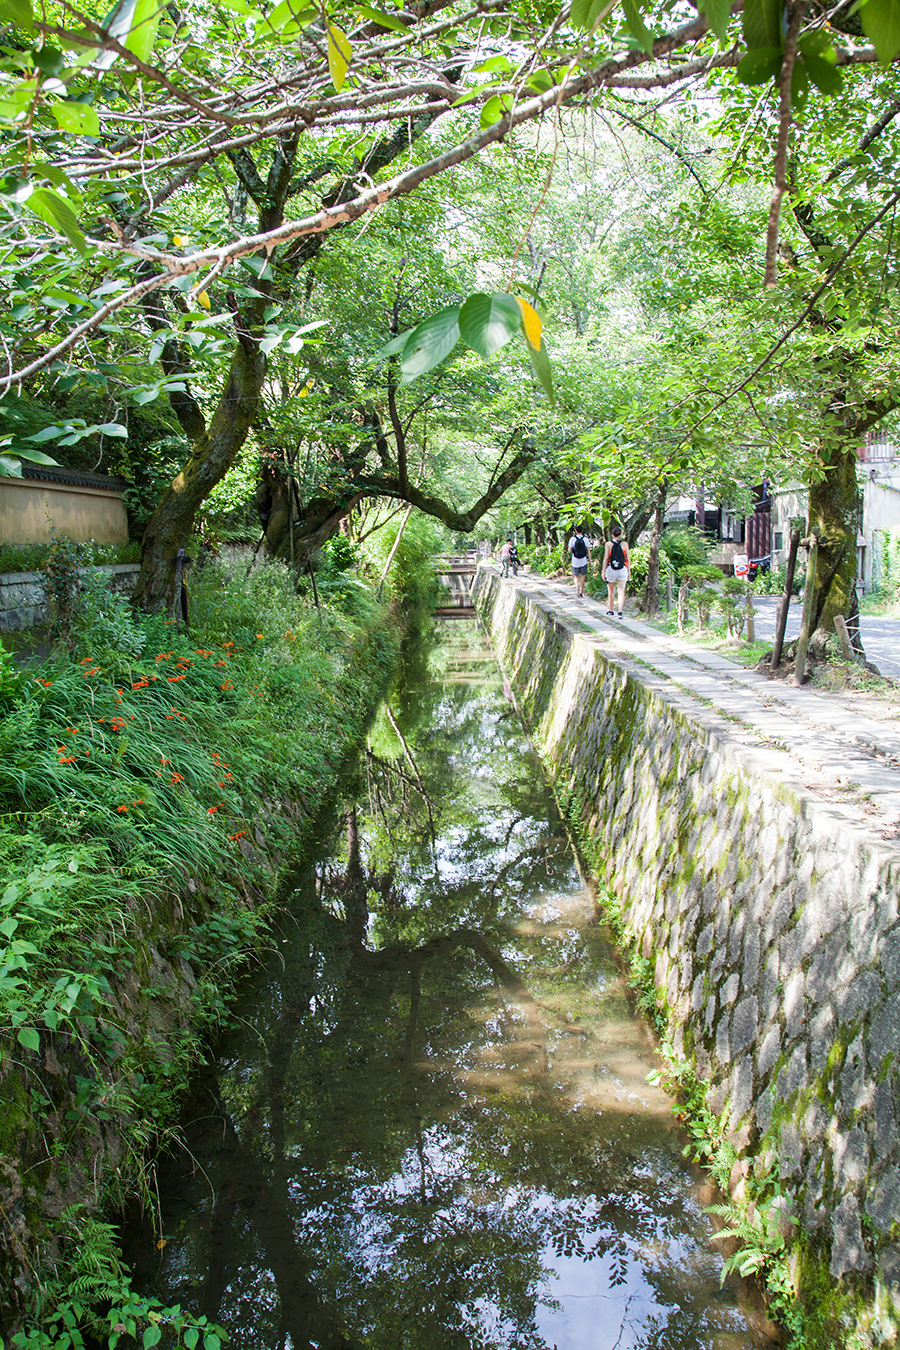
{"x": 846, "y": 757}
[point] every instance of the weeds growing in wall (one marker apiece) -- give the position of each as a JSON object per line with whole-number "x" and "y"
{"x": 145, "y": 772}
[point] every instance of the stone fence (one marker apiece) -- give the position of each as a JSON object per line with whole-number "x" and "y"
{"x": 772, "y": 925}
{"x": 23, "y": 603}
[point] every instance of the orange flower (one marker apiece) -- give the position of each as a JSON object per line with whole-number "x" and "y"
{"x": 72, "y": 730}
{"x": 211, "y": 810}
{"x": 260, "y": 635}
{"x": 121, "y": 808}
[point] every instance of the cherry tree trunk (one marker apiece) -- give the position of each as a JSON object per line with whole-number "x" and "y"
{"x": 212, "y": 455}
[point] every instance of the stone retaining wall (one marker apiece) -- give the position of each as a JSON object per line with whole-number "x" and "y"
{"x": 772, "y": 924}
{"x": 23, "y": 603}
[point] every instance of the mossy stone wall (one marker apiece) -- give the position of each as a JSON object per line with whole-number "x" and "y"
{"x": 772, "y": 924}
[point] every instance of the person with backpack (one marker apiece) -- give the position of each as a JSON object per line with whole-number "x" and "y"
{"x": 616, "y": 563}
{"x": 580, "y": 550}
{"x": 514, "y": 560}
{"x": 505, "y": 555}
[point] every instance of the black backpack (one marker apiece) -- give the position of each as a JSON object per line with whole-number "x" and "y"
{"x": 579, "y": 548}
{"x": 617, "y": 554}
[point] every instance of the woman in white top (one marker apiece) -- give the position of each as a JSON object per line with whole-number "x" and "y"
{"x": 616, "y": 564}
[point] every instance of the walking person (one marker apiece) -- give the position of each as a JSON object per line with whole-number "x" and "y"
{"x": 514, "y": 560}
{"x": 616, "y": 564}
{"x": 580, "y": 550}
{"x": 505, "y": 556}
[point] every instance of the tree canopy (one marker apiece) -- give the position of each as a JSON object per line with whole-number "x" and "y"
{"x": 225, "y": 220}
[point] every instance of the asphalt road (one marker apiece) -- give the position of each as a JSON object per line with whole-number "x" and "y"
{"x": 880, "y": 637}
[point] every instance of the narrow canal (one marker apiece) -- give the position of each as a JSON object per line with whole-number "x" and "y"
{"x": 431, "y": 1128}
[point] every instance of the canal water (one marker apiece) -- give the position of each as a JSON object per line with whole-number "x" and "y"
{"x": 431, "y": 1126}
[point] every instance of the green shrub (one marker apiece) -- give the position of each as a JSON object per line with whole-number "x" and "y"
{"x": 546, "y": 559}
{"x": 685, "y": 546}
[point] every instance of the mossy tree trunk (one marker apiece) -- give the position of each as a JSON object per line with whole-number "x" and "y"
{"x": 212, "y": 455}
{"x": 834, "y": 519}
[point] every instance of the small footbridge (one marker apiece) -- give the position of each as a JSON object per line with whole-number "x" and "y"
{"x": 456, "y": 573}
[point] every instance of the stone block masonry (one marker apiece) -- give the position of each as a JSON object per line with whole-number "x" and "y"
{"x": 769, "y": 915}
{"x": 23, "y": 600}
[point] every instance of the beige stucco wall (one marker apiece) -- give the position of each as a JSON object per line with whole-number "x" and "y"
{"x": 77, "y": 512}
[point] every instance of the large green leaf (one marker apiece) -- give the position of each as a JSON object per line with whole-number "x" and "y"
{"x": 488, "y": 322}
{"x": 428, "y": 343}
{"x": 585, "y": 13}
{"x": 383, "y": 20}
{"x": 718, "y": 14}
{"x": 819, "y": 58}
{"x": 762, "y": 22}
{"x": 395, "y": 346}
{"x": 636, "y": 25}
{"x": 56, "y": 211}
{"x": 18, "y": 13}
{"x": 79, "y": 119}
{"x": 34, "y": 456}
{"x": 760, "y": 65}
{"x": 881, "y": 23}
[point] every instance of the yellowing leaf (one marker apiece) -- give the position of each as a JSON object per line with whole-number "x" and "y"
{"x": 339, "y": 55}
{"x": 180, "y": 240}
{"x": 530, "y": 322}
{"x": 307, "y": 388}
{"x": 203, "y": 299}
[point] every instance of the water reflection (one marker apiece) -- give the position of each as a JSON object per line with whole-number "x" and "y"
{"x": 432, "y": 1128}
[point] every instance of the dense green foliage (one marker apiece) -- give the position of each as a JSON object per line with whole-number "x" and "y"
{"x": 146, "y": 767}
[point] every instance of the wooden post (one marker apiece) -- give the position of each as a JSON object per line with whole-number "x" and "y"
{"x": 781, "y": 624}
{"x": 806, "y": 618}
{"x": 668, "y": 592}
{"x": 840, "y": 626}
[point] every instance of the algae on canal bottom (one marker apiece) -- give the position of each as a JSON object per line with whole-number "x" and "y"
{"x": 431, "y": 1128}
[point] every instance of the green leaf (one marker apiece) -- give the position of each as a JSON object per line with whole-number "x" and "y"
{"x": 395, "y": 346}
{"x": 799, "y": 85}
{"x": 191, "y": 1337}
{"x": 9, "y": 926}
{"x": 56, "y": 211}
{"x": 18, "y": 13}
{"x": 585, "y": 13}
{"x": 78, "y": 119}
{"x": 494, "y": 109}
{"x": 881, "y": 25}
{"x": 718, "y": 14}
{"x": 340, "y": 54}
{"x": 760, "y": 65}
{"x": 496, "y": 63}
{"x": 540, "y": 364}
{"x": 428, "y": 344}
{"x": 28, "y": 1037}
{"x": 819, "y": 58}
{"x": 112, "y": 429}
{"x": 540, "y": 81}
{"x": 152, "y": 1336}
{"x": 290, "y": 12}
{"x": 637, "y": 27}
{"x": 488, "y": 322}
{"x": 34, "y": 456}
{"x": 142, "y": 34}
{"x": 383, "y": 20}
{"x": 49, "y": 60}
{"x": 762, "y": 23}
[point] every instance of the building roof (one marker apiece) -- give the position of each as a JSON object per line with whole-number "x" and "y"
{"x": 47, "y": 473}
